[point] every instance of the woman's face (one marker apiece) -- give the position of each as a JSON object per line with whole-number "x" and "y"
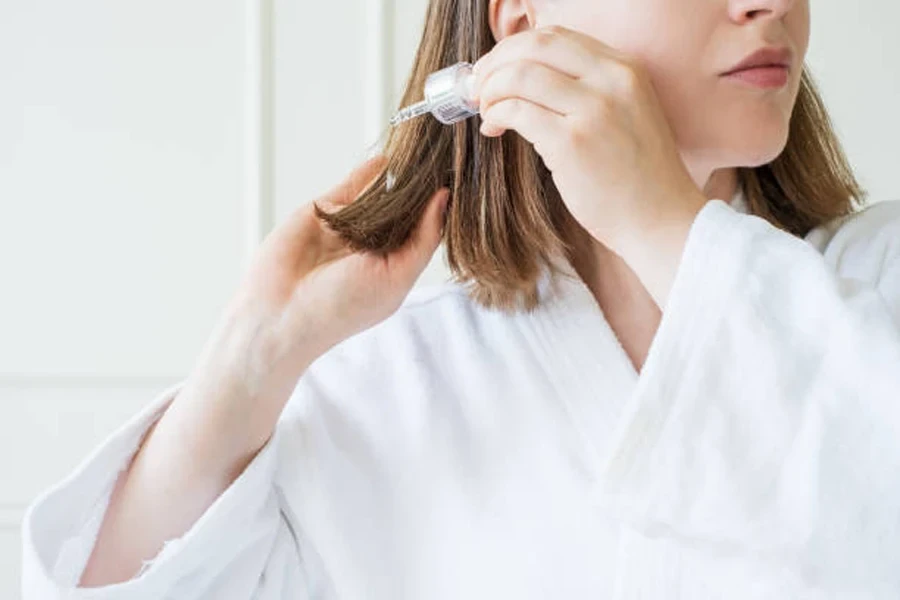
{"x": 685, "y": 46}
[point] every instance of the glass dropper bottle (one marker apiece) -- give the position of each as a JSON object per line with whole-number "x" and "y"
{"x": 448, "y": 96}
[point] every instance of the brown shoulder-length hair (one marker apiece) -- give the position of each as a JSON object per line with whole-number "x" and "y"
{"x": 505, "y": 220}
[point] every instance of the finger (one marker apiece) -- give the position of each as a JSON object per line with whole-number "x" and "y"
{"x": 535, "y": 123}
{"x": 563, "y": 49}
{"x": 425, "y": 239}
{"x": 537, "y": 83}
{"x": 348, "y": 190}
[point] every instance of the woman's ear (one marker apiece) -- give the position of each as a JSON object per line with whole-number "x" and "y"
{"x": 510, "y": 16}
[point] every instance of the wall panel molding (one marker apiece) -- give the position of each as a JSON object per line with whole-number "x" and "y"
{"x": 259, "y": 94}
{"x": 79, "y": 382}
{"x": 378, "y": 59}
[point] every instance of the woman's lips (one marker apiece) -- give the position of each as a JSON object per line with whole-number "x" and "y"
{"x": 772, "y": 76}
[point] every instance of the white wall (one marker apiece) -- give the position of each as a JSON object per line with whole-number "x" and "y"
{"x": 122, "y": 175}
{"x": 146, "y": 147}
{"x": 854, "y": 54}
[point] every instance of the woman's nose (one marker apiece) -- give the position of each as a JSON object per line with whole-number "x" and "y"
{"x": 742, "y": 11}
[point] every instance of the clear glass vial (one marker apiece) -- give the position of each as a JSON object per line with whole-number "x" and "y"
{"x": 448, "y": 96}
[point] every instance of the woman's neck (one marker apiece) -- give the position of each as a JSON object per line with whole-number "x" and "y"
{"x": 628, "y": 307}
{"x": 722, "y": 185}
{"x": 602, "y": 269}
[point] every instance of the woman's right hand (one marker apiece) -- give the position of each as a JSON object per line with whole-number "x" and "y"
{"x": 306, "y": 291}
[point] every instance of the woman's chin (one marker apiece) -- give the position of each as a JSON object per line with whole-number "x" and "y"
{"x": 759, "y": 151}
{"x": 737, "y": 147}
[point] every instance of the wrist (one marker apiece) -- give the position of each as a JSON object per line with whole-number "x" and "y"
{"x": 655, "y": 249}
{"x": 237, "y": 390}
{"x": 246, "y": 350}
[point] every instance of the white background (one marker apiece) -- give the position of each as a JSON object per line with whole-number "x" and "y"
{"x": 145, "y": 147}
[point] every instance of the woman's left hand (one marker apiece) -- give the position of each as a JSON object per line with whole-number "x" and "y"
{"x": 593, "y": 116}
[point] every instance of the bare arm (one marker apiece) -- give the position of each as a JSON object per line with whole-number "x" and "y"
{"x": 211, "y": 431}
{"x": 304, "y": 293}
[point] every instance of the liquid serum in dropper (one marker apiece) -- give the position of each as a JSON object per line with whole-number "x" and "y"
{"x": 448, "y": 95}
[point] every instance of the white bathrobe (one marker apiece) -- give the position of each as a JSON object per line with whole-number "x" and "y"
{"x": 455, "y": 452}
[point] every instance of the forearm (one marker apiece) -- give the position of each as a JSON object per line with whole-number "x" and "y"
{"x": 210, "y": 432}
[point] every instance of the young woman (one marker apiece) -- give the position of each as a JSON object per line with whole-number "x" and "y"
{"x": 668, "y": 366}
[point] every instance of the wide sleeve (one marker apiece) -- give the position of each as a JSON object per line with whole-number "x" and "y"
{"x": 766, "y": 420}
{"x": 230, "y": 552}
